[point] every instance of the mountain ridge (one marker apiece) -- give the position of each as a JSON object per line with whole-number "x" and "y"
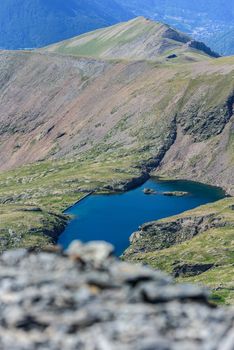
{"x": 203, "y": 20}
{"x": 37, "y": 23}
{"x": 139, "y": 38}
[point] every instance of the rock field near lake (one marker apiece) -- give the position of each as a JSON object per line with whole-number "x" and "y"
{"x": 87, "y": 299}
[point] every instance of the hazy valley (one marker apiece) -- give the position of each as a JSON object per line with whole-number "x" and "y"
{"x": 210, "y": 21}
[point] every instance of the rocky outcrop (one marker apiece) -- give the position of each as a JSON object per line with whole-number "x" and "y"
{"x": 186, "y": 270}
{"x": 149, "y": 191}
{"x": 203, "y": 123}
{"x": 127, "y": 185}
{"x": 175, "y": 194}
{"x": 86, "y": 299}
{"x": 198, "y": 45}
{"x": 163, "y": 234}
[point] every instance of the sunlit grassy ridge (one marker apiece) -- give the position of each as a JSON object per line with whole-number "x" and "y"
{"x": 137, "y": 39}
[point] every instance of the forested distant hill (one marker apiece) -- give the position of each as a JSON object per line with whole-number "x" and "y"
{"x": 35, "y": 23}
{"x": 223, "y": 42}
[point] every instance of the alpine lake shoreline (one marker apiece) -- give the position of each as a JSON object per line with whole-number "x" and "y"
{"x": 115, "y": 215}
{"x": 184, "y": 247}
{"x": 33, "y": 199}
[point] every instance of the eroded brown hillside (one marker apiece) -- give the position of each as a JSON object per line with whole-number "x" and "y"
{"x": 55, "y": 106}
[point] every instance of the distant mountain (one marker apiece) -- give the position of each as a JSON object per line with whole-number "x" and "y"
{"x": 224, "y": 42}
{"x": 203, "y": 19}
{"x": 137, "y": 39}
{"x": 35, "y": 23}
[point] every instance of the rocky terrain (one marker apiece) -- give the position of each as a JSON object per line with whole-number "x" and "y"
{"x": 86, "y": 299}
{"x": 196, "y": 246}
{"x": 71, "y": 125}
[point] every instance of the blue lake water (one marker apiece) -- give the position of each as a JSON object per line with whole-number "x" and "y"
{"x": 113, "y": 218}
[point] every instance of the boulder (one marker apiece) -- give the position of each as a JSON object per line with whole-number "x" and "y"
{"x": 149, "y": 191}
{"x": 175, "y": 194}
{"x": 87, "y": 299}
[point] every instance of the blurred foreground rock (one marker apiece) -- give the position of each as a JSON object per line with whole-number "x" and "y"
{"x": 86, "y": 299}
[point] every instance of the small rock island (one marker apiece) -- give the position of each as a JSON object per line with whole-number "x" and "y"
{"x": 176, "y": 194}
{"x": 149, "y": 191}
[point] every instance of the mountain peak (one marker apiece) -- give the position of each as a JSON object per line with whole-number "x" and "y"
{"x": 143, "y": 19}
{"x": 137, "y": 39}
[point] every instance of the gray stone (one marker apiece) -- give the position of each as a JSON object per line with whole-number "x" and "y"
{"x": 149, "y": 191}
{"x": 88, "y": 300}
{"x": 95, "y": 253}
{"x": 134, "y": 274}
{"x": 13, "y": 256}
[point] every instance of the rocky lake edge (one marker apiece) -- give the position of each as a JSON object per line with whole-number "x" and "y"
{"x": 34, "y": 215}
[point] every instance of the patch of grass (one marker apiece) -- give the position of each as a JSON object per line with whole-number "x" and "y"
{"x": 28, "y": 226}
{"x": 214, "y": 246}
{"x": 51, "y": 187}
{"x": 95, "y": 44}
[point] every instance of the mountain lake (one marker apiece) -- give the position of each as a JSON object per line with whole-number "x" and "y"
{"x": 114, "y": 217}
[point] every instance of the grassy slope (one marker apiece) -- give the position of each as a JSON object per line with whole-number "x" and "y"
{"x": 33, "y": 197}
{"x": 127, "y": 108}
{"x": 214, "y": 246}
{"x": 136, "y": 39}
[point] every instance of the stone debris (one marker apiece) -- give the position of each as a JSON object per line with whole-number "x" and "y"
{"x": 92, "y": 252}
{"x": 85, "y": 299}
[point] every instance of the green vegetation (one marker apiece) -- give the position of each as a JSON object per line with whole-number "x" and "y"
{"x": 137, "y": 39}
{"x": 33, "y": 197}
{"x": 214, "y": 246}
{"x": 93, "y": 45}
{"x": 223, "y": 41}
{"x": 28, "y": 226}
